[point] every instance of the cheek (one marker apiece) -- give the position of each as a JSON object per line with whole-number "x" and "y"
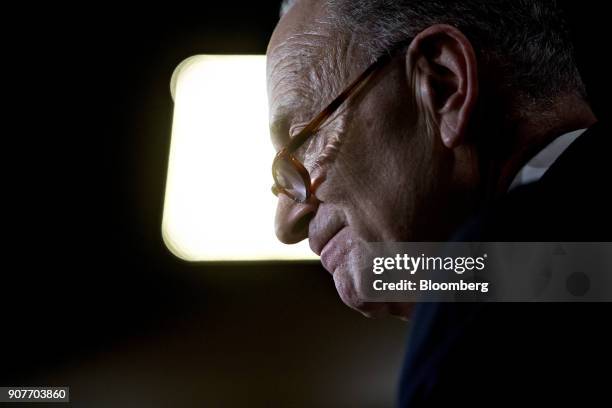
{"x": 378, "y": 177}
{"x": 380, "y": 188}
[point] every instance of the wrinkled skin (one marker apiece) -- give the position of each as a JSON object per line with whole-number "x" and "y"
{"x": 395, "y": 161}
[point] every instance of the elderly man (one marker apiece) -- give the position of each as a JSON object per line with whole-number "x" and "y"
{"x": 431, "y": 121}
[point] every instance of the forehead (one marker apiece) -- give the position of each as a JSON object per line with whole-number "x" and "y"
{"x": 299, "y": 58}
{"x": 301, "y": 31}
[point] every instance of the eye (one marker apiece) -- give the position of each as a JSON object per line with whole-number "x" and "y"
{"x": 301, "y": 151}
{"x": 295, "y": 129}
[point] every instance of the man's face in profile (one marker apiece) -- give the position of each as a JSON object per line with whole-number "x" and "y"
{"x": 384, "y": 178}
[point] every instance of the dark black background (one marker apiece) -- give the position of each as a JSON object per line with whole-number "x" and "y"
{"x": 87, "y": 119}
{"x": 86, "y": 162}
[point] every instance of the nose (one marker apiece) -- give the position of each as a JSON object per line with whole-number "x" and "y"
{"x": 292, "y": 218}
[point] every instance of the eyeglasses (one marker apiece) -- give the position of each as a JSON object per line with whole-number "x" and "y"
{"x": 290, "y": 176}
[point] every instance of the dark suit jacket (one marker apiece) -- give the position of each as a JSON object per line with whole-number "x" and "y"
{"x": 493, "y": 354}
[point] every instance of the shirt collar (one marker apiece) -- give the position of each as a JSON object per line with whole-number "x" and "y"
{"x": 539, "y": 164}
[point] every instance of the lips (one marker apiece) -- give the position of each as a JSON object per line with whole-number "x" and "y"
{"x": 335, "y": 250}
{"x": 320, "y": 237}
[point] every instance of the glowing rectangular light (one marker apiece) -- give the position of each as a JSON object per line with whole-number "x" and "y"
{"x": 218, "y": 205}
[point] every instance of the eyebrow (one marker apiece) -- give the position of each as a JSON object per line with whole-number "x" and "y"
{"x": 285, "y": 114}
{"x": 292, "y": 103}
{"x": 282, "y": 124}
{"x": 279, "y": 130}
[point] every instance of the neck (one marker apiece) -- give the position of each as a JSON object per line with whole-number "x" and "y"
{"x": 527, "y": 135}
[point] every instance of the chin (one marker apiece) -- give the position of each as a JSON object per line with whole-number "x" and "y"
{"x": 347, "y": 278}
{"x": 353, "y": 299}
{"x": 344, "y": 257}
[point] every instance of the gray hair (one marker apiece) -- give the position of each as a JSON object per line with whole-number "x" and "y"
{"x": 524, "y": 42}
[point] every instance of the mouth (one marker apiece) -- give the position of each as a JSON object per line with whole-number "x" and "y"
{"x": 334, "y": 250}
{"x": 318, "y": 243}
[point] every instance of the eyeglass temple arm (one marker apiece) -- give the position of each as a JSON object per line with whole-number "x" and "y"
{"x": 314, "y": 124}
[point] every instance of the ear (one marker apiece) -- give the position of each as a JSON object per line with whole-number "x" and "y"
{"x": 442, "y": 66}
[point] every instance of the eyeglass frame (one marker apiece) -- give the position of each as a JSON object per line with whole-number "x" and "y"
{"x": 286, "y": 153}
